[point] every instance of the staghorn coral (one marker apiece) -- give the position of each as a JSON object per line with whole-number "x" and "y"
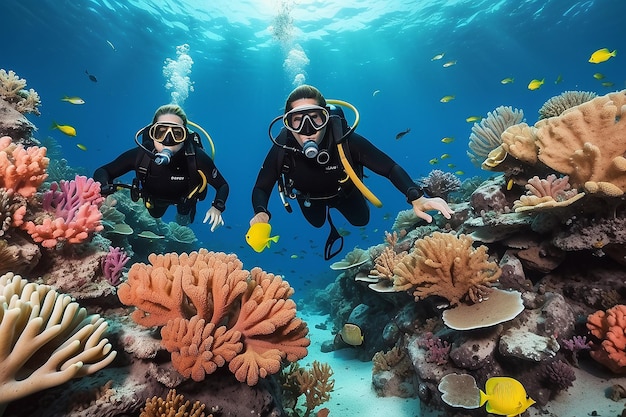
{"x": 485, "y": 135}
{"x": 113, "y": 265}
{"x": 45, "y": 339}
{"x": 439, "y": 183}
{"x": 12, "y": 90}
{"x": 22, "y": 169}
{"x": 315, "y": 383}
{"x": 548, "y": 192}
{"x": 447, "y": 266}
{"x": 610, "y": 328}
{"x": 556, "y": 105}
{"x": 587, "y": 143}
{"x": 214, "y": 312}
{"x": 173, "y": 405}
{"x": 386, "y": 262}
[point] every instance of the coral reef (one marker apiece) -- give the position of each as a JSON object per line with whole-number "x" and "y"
{"x": 22, "y": 170}
{"x": 486, "y": 134}
{"x": 548, "y": 192}
{"x": 555, "y": 106}
{"x": 113, "y": 264}
{"x": 610, "y": 328}
{"x": 173, "y": 405}
{"x": 12, "y": 90}
{"x": 439, "y": 183}
{"x": 214, "y": 312}
{"x": 315, "y": 384}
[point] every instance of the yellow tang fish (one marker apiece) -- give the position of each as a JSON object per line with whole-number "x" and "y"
{"x": 460, "y": 173}
{"x": 351, "y": 334}
{"x": 507, "y": 80}
{"x": 433, "y": 161}
{"x": 598, "y": 76}
{"x": 445, "y": 156}
{"x": 446, "y": 99}
{"x": 535, "y": 84}
{"x": 473, "y": 119}
{"x": 258, "y": 236}
{"x": 505, "y": 396}
{"x": 73, "y": 100}
{"x": 449, "y": 64}
{"x": 448, "y": 139}
{"x": 438, "y": 56}
{"x": 67, "y": 129}
{"x": 601, "y": 55}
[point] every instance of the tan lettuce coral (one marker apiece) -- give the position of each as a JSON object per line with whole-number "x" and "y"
{"x": 447, "y": 266}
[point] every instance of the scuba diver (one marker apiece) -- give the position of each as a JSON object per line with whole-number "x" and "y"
{"x": 318, "y": 161}
{"x": 171, "y": 168}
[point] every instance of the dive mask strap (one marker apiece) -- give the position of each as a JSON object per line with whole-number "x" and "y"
{"x": 333, "y": 237}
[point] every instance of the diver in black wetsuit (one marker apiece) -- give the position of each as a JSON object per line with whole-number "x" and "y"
{"x": 307, "y": 165}
{"x": 171, "y": 168}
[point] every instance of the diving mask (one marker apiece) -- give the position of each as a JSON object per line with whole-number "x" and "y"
{"x": 296, "y": 119}
{"x": 161, "y": 131}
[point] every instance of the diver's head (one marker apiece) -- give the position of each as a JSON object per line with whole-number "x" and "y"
{"x": 169, "y": 128}
{"x": 306, "y": 116}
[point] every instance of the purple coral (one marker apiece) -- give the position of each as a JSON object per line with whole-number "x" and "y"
{"x": 576, "y": 343}
{"x": 439, "y": 183}
{"x": 559, "y": 375}
{"x": 113, "y": 264}
{"x": 437, "y": 350}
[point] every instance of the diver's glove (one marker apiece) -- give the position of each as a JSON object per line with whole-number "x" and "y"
{"x": 261, "y": 217}
{"x": 422, "y": 204}
{"x": 107, "y": 189}
{"x": 214, "y": 217}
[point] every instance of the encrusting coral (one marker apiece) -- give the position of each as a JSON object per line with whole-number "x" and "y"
{"x": 447, "y": 266}
{"x": 46, "y": 339}
{"x": 214, "y": 312}
{"x": 610, "y": 328}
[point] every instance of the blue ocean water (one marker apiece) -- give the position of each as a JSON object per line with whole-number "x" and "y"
{"x": 244, "y": 57}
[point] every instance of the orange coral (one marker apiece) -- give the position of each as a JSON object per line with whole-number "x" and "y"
{"x": 448, "y": 266}
{"x": 214, "y": 312}
{"x": 610, "y": 327}
{"x": 22, "y": 169}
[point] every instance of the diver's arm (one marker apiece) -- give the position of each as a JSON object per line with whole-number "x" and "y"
{"x": 265, "y": 182}
{"x": 121, "y": 165}
{"x": 214, "y": 214}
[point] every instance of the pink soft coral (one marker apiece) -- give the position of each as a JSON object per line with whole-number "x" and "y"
{"x": 22, "y": 169}
{"x": 610, "y": 328}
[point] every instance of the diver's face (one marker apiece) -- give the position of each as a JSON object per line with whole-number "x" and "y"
{"x": 318, "y": 135}
{"x": 169, "y": 118}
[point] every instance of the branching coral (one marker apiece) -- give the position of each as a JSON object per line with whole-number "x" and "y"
{"x": 173, "y": 405}
{"x": 610, "y": 328}
{"x": 22, "y": 169}
{"x": 439, "y": 183}
{"x": 548, "y": 192}
{"x": 485, "y": 135}
{"x": 315, "y": 383}
{"x": 113, "y": 265}
{"x": 46, "y": 339}
{"x": 214, "y": 312}
{"x": 447, "y": 266}
{"x": 12, "y": 90}
{"x": 556, "y": 105}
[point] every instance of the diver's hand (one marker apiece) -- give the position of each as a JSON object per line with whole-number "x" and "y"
{"x": 261, "y": 217}
{"x": 214, "y": 217}
{"x": 422, "y": 204}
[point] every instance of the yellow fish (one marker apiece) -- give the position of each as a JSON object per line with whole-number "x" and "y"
{"x": 351, "y": 334}
{"x": 559, "y": 78}
{"x": 507, "y": 80}
{"x": 535, "y": 84}
{"x": 293, "y": 256}
{"x": 451, "y": 165}
{"x": 433, "y": 161}
{"x": 448, "y": 139}
{"x": 449, "y": 64}
{"x": 73, "y": 100}
{"x": 505, "y": 396}
{"x": 460, "y": 173}
{"x": 67, "y": 129}
{"x": 81, "y": 146}
{"x": 258, "y": 236}
{"x": 473, "y": 119}
{"x": 598, "y": 76}
{"x": 607, "y": 84}
{"x": 438, "y": 56}
{"x": 445, "y": 156}
{"x": 601, "y": 55}
{"x": 446, "y": 99}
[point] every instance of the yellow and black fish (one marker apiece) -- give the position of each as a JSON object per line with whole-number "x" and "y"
{"x": 351, "y": 334}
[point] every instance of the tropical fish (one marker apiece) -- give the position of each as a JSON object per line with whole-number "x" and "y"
{"x": 294, "y": 256}
{"x": 449, "y": 64}
{"x": 598, "y": 76}
{"x": 375, "y": 92}
{"x": 404, "y": 132}
{"x": 433, "y": 161}
{"x": 459, "y": 173}
{"x": 601, "y": 55}
{"x": 505, "y": 396}
{"x": 91, "y": 77}
{"x": 445, "y": 156}
{"x": 351, "y": 334}
{"x": 258, "y": 236}
{"x": 67, "y": 129}
{"x": 507, "y": 80}
{"x": 559, "y": 78}
{"x": 448, "y": 139}
{"x": 451, "y": 165}
{"x": 438, "y": 56}
{"x": 608, "y": 84}
{"x": 535, "y": 84}
{"x": 81, "y": 146}
{"x": 509, "y": 184}
{"x": 473, "y": 119}
{"x": 73, "y": 100}
{"x": 446, "y": 99}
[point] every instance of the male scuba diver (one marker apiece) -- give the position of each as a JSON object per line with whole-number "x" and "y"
{"x": 171, "y": 168}
{"x": 318, "y": 161}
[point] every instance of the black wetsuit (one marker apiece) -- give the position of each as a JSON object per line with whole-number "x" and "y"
{"x": 318, "y": 187}
{"x": 169, "y": 184}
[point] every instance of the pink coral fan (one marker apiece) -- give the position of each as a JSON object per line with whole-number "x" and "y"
{"x": 73, "y": 212}
{"x": 22, "y": 170}
{"x": 113, "y": 265}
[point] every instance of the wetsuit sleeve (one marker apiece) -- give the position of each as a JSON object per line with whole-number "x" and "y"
{"x": 267, "y": 178}
{"x": 365, "y": 153}
{"x": 215, "y": 179}
{"x": 118, "y": 167}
